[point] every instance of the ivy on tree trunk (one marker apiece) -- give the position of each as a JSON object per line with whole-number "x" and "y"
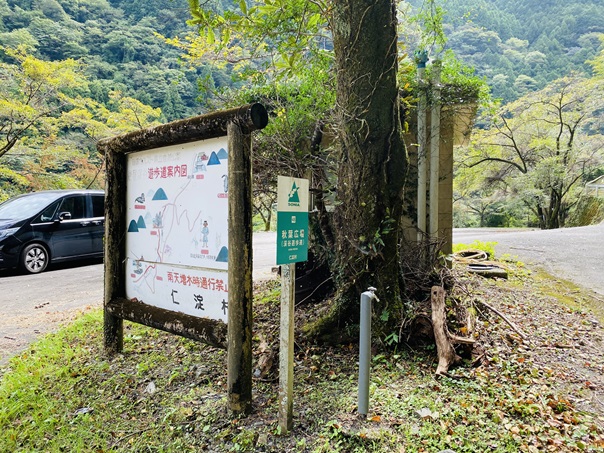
{"x": 372, "y": 159}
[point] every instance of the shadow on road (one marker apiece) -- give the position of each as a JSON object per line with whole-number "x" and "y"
{"x": 53, "y": 267}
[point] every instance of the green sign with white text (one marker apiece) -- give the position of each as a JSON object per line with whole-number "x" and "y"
{"x": 292, "y": 220}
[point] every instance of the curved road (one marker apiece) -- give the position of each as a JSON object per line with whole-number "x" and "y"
{"x": 33, "y": 305}
{"x": 575, "y": 254}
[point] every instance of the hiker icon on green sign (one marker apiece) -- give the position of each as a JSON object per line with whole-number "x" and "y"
{"x": 294, "y": 199}
{"x": 292, "y": 220}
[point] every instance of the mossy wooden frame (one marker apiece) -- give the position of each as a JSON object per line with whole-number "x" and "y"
{"x": 236, "y": 336}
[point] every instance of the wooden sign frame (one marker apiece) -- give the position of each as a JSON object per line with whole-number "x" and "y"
{"x": 236, "y": 336}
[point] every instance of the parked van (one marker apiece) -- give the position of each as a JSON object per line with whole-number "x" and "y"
{"x": 51, "y": 226}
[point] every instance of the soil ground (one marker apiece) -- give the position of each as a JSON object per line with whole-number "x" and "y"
{"x": 534, "y": 382}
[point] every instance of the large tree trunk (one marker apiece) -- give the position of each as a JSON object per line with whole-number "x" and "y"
{"x": 372, "y": 157}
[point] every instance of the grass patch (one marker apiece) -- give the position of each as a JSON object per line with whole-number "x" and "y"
{"x": 487, "y": 247}
{"x": 168, "y": 394}
{"x": 569, "y": 294}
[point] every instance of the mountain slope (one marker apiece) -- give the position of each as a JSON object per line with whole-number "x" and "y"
{"x": 520, "y": 46}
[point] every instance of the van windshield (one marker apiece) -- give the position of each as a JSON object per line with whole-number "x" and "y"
{"x": 26, "y": 206}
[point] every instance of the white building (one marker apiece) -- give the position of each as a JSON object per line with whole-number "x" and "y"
{"x": 596, "y": 187}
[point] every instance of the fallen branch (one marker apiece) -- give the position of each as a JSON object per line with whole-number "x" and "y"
{"x": 502, "y": 316}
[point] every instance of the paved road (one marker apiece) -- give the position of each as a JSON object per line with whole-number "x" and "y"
{"x": 36, "y": 304}
{"x": 33, "y": 305}
{"x": 575, "y": 254}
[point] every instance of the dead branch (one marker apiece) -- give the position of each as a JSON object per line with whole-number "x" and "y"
{"x": 265, "y": 359}
{"x": 502, "y": 316}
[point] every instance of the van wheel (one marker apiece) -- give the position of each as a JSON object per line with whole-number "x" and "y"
{"x": 34, "y": 258}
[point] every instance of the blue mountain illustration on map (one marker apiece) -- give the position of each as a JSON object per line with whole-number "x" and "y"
{"x": 141, "y": 223}
{"x": 223, "y": 255}
{"x": 214, "y": 160}
{"x": 222, "y": 154}
{"x": 133, "y": 227}
{"x": 160, "y": 195}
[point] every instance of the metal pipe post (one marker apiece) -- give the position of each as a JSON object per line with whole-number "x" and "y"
{"x": 365, "y": 350}
{"x": 435, "y": 150}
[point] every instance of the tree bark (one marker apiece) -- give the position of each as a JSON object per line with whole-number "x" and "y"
{"x": 372, "y": 156}
{"x": 444, "y": 339}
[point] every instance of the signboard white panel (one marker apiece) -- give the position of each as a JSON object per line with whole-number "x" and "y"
{"x": 292, "y": 194}
{"x": 177, "y": 238}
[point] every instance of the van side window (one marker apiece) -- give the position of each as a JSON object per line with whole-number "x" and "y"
{"x": 76, "y": 206}
{"x": 98, "y": 206}
{"x": 48, "y": 214}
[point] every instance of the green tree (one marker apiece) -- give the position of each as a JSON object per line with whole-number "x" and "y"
{"x": 48, "y": 124}
{"x": 473, "y": 196}
{"x": 542, "y": 146}
{"x": 33, "y": 94}
{"x": 173, "y": 107}
{"x": 290, "y": 145}
{"x": 57, "y": 40}
{"x": 363, "y": 234}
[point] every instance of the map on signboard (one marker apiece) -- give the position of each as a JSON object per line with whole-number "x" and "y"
{"x": 177, "y": 231}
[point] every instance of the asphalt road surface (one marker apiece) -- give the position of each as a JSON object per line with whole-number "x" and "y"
{"x": 33, "y": 305}
{"x": 574, "y": 254}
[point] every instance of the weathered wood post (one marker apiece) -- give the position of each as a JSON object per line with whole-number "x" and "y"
{"x": 158, "y": 308}
{"x": 286, "y": 348}
{"x": 114, "y": 262}
{"x": 239, "y": 336}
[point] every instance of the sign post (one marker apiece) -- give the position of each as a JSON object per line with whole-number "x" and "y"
{"x": 178, "y": 237}
{"x": 292, "y": 247}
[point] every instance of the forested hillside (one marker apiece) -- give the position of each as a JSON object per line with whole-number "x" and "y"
{"x": 75, "y": 71}
{"x": 117, "y": 42}
{"x": 530, "y": 159}
{"x": 519, "y": 45}
{"x": 115, "y": 72}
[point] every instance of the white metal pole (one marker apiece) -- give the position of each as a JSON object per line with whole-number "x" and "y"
{"x": 422, "y": 163}
{"x": 365, "y": 350}
{"x": 435, "y": 149}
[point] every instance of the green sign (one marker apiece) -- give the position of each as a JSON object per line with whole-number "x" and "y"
{"x": 292, "y": 220}
{"x": 292, "y": 237}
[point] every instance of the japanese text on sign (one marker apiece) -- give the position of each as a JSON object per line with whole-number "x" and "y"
{"x": 169, "y": 171}
{"x": 292, "y": 220}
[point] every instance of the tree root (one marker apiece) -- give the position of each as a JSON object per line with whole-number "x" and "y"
{"x": 444, "y": 339}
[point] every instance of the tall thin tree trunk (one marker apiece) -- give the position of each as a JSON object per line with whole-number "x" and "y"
{"x": 372, "y": 155}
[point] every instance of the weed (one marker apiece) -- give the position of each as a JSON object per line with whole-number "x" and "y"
{"x": 66, "y": 394}
{"x": 487, "y": 247}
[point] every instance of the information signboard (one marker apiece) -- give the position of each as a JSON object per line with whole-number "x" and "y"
{"x": 177, "y": 231}
{"x": 292, "y": 220}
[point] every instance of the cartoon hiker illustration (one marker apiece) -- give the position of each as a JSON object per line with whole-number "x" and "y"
{"x": 205, "y": 231}
{"x": 140, "y": 199}
{"x": 138, "y": 267}
{"x": 157, "y": 221}
{"x": 199, "y": 162}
